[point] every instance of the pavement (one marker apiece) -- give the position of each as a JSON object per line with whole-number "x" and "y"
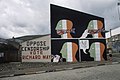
{"x": 17, "y": 68}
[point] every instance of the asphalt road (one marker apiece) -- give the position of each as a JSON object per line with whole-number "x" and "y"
{"x": 107, "y": 72}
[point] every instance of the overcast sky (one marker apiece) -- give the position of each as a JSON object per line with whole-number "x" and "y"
{"x": 31, "y": 17}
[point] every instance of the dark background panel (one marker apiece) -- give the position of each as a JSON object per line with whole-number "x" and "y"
{"x": 56, "y": 46}
{"x": 86, "y": 57}
{"x": 80, "y": 20}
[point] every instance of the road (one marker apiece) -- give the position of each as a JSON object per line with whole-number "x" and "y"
{"x": 107, "y": 72}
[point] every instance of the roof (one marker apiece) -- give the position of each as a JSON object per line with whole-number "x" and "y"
{"x": 6, "y": 43}
{"x": 15, "y": 42}
{"x": 29, "y": 37}
{"x": 3, "y": 41}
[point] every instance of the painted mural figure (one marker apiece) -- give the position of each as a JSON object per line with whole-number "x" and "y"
{"x": 96, "y": 49}
{"x": 68, "y": 51}
{"x": 95, "y": 27}
{"x": 64, "y": 28}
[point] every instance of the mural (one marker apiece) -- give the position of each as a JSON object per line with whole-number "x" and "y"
{"x": 76, "y": 36}
{"x": 64, "y": 50}
{"x": 93, "y": 50}
{"x": 67, "y": 23}
{"x": 94, "y": 30}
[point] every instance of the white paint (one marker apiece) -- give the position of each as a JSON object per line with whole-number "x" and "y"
{"x": 45, "y": 52}
{"x": 69, "y": 52}
{"x": 95, "y": 27}
{"x": 84, "y": 35}
{"x": 97, "y": 50}
{"x": 64, "y": 27}
{"x": 84, "y": 44}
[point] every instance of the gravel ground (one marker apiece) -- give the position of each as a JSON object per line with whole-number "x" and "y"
{"x": 108, "y": 72}
{"x": 6, "y": 69}
{"x": 22, "y": 66}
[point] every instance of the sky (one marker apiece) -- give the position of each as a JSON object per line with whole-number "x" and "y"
{"x": 32, "y": 17}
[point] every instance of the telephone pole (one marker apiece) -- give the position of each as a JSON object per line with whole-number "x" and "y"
{"x": 118, "y": 5}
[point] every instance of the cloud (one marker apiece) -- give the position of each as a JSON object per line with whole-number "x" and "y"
{"x": 30, "y": 17}
{"x": 23, "y": 17}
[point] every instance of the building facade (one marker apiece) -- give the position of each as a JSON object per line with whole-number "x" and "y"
{"x": 113, "y": 43}
{"x": 76, "y": 36}
{"x": 36, "y": 50}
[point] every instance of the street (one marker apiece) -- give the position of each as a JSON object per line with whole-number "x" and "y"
{"x": 107, "y": 72}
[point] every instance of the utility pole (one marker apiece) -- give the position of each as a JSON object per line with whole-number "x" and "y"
{"x": 110, "y": 50}
{"x": 110, "y": 38}
{"x": 118, "y": 4}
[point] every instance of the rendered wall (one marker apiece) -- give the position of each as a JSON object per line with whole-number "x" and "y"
{"x": 36, "y": 50}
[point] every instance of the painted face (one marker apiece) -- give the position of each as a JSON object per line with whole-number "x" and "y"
{"x": 68, "y": 51}
{"x": 97, "y": 50}
{"x": 64, "y": 27}
{"x": 95, "y": 27}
